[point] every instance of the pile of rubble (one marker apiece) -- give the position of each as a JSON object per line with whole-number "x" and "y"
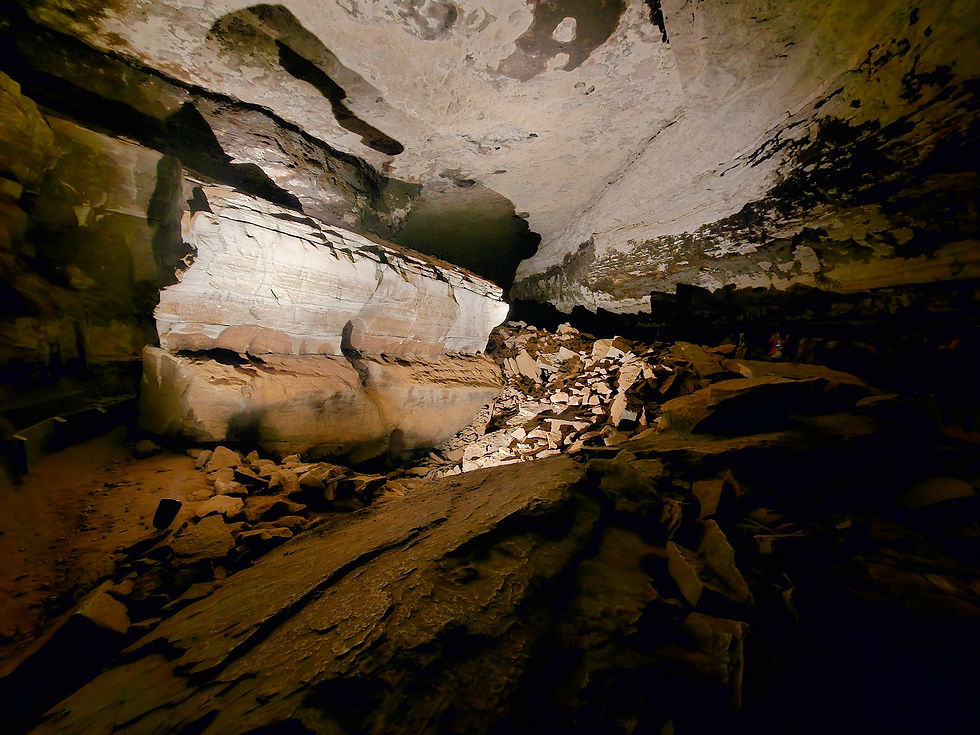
{"x": 567, "y": 391}
{"x": 324, "y": 486}
{"x": 254, "y": 505}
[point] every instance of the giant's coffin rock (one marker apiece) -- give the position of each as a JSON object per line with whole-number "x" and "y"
{"x": 270, "y": 281}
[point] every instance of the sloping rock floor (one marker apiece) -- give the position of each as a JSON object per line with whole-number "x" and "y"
{"x": 700, "y": 542}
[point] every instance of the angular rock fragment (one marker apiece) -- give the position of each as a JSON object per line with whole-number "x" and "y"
{"x": 222, "y": 504}
{"x": 207, "y": 539}
{"x": 167, "y": 510}
{"x": 222, "y": 457}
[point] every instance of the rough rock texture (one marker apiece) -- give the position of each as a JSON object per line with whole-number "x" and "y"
{"x": 266, "y": 281}
{"x": 321, "y": 406}
{"x": 88, "y": 234}
{"x": 649, "y": 144}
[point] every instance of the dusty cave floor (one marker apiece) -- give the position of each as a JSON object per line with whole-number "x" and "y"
{"x": 758, "y": 543}
{"x": 62, "y": 524}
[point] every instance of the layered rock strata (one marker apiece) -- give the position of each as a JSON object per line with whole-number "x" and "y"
{"x": 266, "y": 281}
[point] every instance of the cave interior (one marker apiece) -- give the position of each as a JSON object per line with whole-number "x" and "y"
{"x": 489, "y": 366}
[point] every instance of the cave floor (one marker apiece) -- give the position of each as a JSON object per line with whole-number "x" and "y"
{"x": 784, "y": 551}
{"x": 62, "y": 524}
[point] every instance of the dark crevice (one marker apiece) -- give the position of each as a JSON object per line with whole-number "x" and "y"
{"x": 657, "y": 17}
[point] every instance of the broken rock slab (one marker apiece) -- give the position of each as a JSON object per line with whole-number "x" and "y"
{"x": 322, "y": 406}
{"x": 266, "y": 281}
{"x": 71, "y": 651}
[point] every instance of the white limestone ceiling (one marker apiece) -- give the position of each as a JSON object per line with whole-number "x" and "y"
{"x": 615, "y": 140}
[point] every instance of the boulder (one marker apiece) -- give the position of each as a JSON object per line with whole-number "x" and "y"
{"x": 270, "y": 507}
{"x": 222, "y": 457}
{"x": 267, "y": 282}
{"x": 759, "y": 404}
{"x": 936, "y": 490}
{"x": 222, "y": 504}
{"x": 26, "y": 139}
{"x": 316, "y": 405}
{"x": 229, "y": 487}
{"x": 72, "y": 650}
{"x": 209, "y": 538}
{"x": 145, "y": 448}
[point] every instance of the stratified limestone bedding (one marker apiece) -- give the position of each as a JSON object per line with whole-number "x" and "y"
{"x": 317, "y": 405}
{"x": 268, "y": 281}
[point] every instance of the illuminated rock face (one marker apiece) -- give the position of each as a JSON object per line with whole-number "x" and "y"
{"x": 267, "y": 281}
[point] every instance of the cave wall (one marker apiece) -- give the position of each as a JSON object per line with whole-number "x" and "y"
{"x": 88, "y": 236}
{"x": 752, "y": 143}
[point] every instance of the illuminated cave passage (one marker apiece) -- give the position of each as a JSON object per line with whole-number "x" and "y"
{"x": 429, "y": 366}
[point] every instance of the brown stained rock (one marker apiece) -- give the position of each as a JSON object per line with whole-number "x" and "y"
{"x": 25, "y": 137}
{"x": 265, "y": 468}
{"x": 221, "y": 458}
{"x": 270, "y": 507}
{"x": 262, "y": 539}
{"x": 755, "y": 405}
{"x": 720, "y": 652}
{"x": 316, "y": 404}
{"x": 245, "y": 474}
{"x": 202, "y": 459}
{"x": 936, "y": 490}
{"x": 616, "y": 585}
{"x": 683, "y": 569}
{"x": 70, "y": 651}
{"x": 706, "y": 366}
{"x": 527, "y": 366}
{"x": 229, "y": 487}
{"x": 145, "y": 448}
{"x": 315, "y": 479}
{"x": 708, "y": 493}
{"x": 284, "y": 481}
{"x": 207, "y": 539}
{"x": 718, "y": 570}
{"x": 293, "y": 523}
{"x": 225, "y": 474}
{"x": 224, "y": 505}
{"x": 343, "y": 602}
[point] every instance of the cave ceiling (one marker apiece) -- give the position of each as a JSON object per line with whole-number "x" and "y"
{"x": 751, "y": 143}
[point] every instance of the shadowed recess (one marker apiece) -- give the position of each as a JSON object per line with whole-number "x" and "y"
{"x": 472, "y": 226}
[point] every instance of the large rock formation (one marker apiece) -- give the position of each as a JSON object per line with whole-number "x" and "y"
{"x": 266, "y": 281}
{"x": 649, "y": 143}
{"x": 89, "y": 232}
{"x": 320, "y": 305}
{"x": 318, "y": 405}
